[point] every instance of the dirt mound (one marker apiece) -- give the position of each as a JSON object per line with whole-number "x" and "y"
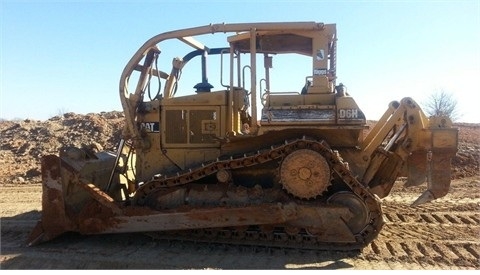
{"x": 23, "y": 143}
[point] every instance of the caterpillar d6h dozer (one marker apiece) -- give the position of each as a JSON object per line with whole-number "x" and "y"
{"x": 202, "y": 166}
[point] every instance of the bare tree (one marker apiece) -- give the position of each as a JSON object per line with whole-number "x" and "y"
{"x": 442, "y": 103}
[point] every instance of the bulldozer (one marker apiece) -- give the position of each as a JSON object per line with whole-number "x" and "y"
{"x": 250, "y": 162}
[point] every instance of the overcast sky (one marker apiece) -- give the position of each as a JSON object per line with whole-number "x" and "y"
{"x": 67, "y": 56}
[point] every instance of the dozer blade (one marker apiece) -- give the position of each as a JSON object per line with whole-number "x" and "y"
{"x": 438, "y": 175}
{"x": 54, "y": 220}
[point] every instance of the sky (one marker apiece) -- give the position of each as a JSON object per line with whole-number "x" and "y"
{"x": 67, "y": 56}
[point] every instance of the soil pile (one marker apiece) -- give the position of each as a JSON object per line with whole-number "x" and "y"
{"x": 23, "y": 143}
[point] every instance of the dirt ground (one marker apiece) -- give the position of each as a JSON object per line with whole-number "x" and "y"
{"x": 444, "y": 234}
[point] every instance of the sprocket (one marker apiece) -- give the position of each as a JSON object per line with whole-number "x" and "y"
{"x": 305, "y": 174}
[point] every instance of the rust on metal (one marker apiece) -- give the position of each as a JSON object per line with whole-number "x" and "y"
{"x": 305, "y": 174}
{"x": 54, "y": 218}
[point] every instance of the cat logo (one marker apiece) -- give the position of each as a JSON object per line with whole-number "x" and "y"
{"x": 151, "y": 127}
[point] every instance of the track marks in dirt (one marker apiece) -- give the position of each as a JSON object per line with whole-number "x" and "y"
{"x": 441, "y": 235}
{"x": 462, "y": 255}
{"x": 444, "y": 233}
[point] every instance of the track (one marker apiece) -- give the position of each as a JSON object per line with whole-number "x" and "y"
{"x": 440, "y": 235}
{"x": 296, "y": 237}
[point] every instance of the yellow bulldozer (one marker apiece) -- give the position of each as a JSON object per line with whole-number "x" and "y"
{"x": 247, "y": 163}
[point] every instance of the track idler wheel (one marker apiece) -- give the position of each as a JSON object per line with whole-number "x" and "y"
{"x": 360, "y": 214}
{"x": 305, "y": 174}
